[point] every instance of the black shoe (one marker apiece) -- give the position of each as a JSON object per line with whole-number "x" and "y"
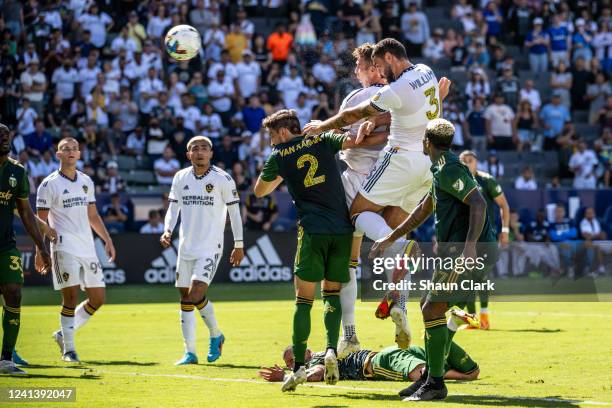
{"x": 428, "y": 392}
{"x": 408, "y": 391}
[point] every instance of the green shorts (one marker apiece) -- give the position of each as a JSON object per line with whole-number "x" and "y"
{"x": 11, "y": 270}
{"x": 393, "y": 363}
{"x": 323, "y": 256}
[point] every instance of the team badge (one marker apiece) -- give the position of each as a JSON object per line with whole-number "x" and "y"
{"x": 458, "y": 185}
{"x": 376, "y": 97}
{"x": 235, "y": 193}
{"x": 85, "y": 188}
{"x": 12, "y": 181}
{"x": 209, "y": 188}
{"x": 65, "y": 275}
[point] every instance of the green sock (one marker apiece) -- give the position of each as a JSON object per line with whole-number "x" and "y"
{"x": 332, "y": 316}
{"x": 449, "y": 341}
{"x": 459, "y": 360}
{"x": 484, "y": 299}
{"x": 437, "y": 334}
{"x": 10, "y": 325}
{"x": 301, "y": 330}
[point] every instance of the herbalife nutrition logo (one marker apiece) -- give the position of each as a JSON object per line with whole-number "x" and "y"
{"x": 261, "y": 264}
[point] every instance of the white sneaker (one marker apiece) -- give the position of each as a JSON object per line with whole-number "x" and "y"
{"x": 9, "y": 368}
{"x": 59, "y": 339}
{"x": 403, "y": 337}
{"x": 294, "y": 379}
{"x": 348, "y": 346}
{"x": 332, "y": 374}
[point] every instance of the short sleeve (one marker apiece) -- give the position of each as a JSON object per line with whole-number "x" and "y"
{"x": 270, "y": 169}
{"x": 23, "y": 188}
{"x": 91, "y": 192}
{"x": 457, "y": 181}
{"x": 230, "y": 193}
{"x": 334, "y": 140}
{"x": 493, "y": 187}
{"x": 44, "y": 196}
{"x": 175, "y": 191}
{"x": 385, "y": 99}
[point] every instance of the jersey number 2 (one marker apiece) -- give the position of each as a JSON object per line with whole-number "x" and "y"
{"x": 433, "y": 101}
{"x": 310, "y": 179}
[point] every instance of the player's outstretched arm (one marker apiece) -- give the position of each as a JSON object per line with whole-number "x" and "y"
{"x": 272, "y": 374}
{"x": 373, "y": 139}
{"x": 504, "y": 209}
{"x": 444, "y": 85}
{"x": 416, "y": 218}
{"x": 341, "y": 119}
{"x": 98, "y": 226}
{"x": 31, "y": 225}
{"x": 263, "y": 188}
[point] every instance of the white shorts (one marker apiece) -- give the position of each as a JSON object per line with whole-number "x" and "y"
{"x": 352, "y": 181}
{"x": 202, "y": 269}
{"x": 400, "y": 178}
{"x": 70, "y": 270}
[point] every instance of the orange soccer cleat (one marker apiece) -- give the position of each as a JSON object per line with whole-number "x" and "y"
{"x": 484, "y": 321}
{"x": 384, "y": 308}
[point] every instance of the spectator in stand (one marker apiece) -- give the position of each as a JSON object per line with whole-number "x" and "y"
{"x": 290, "y": 87}
{"x": 492, "y": 165}
{"x": 453, "y": 114}
{"x": 415, "y": 27}
{"x": 499, "y": 119}
{"x": 126, "y": 111}
{"x": 602, "y": 43}
{"x": 243, "y": 183}
{"x": 540, "y": 249}
{"x": 532, "y": 95}
{"x": 508, "y": 85}
{"x": 581, "y": 42}
{"x": 225, "y": 153}
{"x": 235, "y": 43}
{"x": 259, "y": 213}
{"x": 580, "y": 80}
{"x": 30, "y": 167}
{"x": 304, "y": 111}
{"x": 158, "y": 23}
{"x": 525, "y": 124}
{"x": 97, "y": 23}
{"x": 249, "y": 75}
{"x": 583, "y": 163}
{"x": 597, "y": 94}
{"x": 461, "y": 9}
{"x": 434, "y": 47}
{"x": 563, "y": 232}
{"x": 479, "y": 55}
{"x": 494, "y": 20}
{"x": 538, "y": 42}
{"x": 324, "y": 72}
{"x": 112, "y": 182}
{"x": 40, "y": 140}
{"x": 213, "y": 41}
{"x": 46, "y": 166}
{"x": 279, "y": 43}
{"x": 26, "y": 116}
{"x": 561, "y": 83}
{"x": 526, "y": 181}
{"x": 553, "y": 116}
{"x": 476, "y": 122}
{"x": 115, "y": 215}
{"x": 34, "y": 85}
{"x": 136, "y": 143}
{"x": 369, "y": 25}
{"x": 211, "y": 125}
{"x": 190, "y": 113}
{"x": 560, "y": 41}
{"x": 519, "y": 20}
{"x": 154, "y": 225}
{"x": 253, "y": 114}
{"x": 591, "y": 232}
{"x": 390, "y": 23}
{"x": 459, "y": 55}
{"x": 221, "y": 91}
{"x": 477, "y": 87}
{"x": 166, "y": 167}
{"x": 124, "y": 42}
{"x": 65, "y": 79}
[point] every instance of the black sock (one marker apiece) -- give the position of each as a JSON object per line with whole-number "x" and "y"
{"x": 438, "y": 382}
{"x": 333, "y": 349}
{"x": 296, "y": 366}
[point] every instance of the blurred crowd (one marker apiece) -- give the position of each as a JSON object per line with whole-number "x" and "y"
{"x": 96, "y": 70}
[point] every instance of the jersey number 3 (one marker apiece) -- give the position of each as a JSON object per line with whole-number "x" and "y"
{"x": 433, "y": 101}
{"x": 310, "y": 179}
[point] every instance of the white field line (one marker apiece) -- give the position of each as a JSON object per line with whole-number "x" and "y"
{"x": 339, "y": 387}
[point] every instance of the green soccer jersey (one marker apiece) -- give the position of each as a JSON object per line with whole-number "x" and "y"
{"x": 490, "y": 189}
{"x": 13, "y": 185}
{"x": 309, "y": 167}
{"x": 452, "y": 183}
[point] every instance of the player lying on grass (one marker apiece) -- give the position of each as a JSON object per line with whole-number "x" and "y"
{"x": 388, "y": 364}
{"x": 325, "y": 232}
{"x": 203, "y": 195}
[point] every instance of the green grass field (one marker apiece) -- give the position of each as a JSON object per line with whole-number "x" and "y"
{"x": 537, "y": 354}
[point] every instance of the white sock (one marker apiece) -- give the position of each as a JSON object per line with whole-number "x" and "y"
{"x": 208, "y": 315}
{"x": 348, "y": 297}
{"x": 372, "y": 225}
{"x": 67, "y": 326}
{"x": 484, "y": 310}
{"x": 188, "y": 326}
{"x": 82, "y": 314}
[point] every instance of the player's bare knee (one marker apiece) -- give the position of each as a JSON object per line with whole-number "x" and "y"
{"x": 331, "y": 286}
{"x": 473, "y": 375}
{"x": 70, "y": 296}
{"x": 433, "y": 310}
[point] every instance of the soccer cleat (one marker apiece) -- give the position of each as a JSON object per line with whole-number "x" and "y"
{"x": 18, "y": 360}
{"x": 9, "y": 368}
{"x": 188, "y": 358}
{"x": 215, "y": 348}
{"x": 348, "y": 346}
{"x": 428, "y": 392}
{"x": 59, "y": 339}
{"x": 384, "y": 308}
{"x": 332, "y": 374}
{"x": 403, "y": 337}
{"x": 464, "y": 319}
{"x": 484, "y": 321}
{"x": 412, "y": 388}
{"x": 294, "y": 379}
{"x": 71, "y": 357}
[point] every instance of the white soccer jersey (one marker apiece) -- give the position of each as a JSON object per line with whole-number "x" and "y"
{"x": 360, "y": 159}
{"x": 203, "y": 205}
{"x": 413, "y": 100}
{"x": 67, "y": 201}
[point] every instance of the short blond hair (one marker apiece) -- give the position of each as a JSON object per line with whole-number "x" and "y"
{"x": 198, "y": 139}
{"x": 67, "y": 140}
{"x": 365, "y": 52}
{"x": 440, "y": 133}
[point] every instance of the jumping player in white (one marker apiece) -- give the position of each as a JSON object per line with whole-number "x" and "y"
{"x": 401, "y": 174}
{"x": 66, "y": 200}
{"x": 203, "y": 194}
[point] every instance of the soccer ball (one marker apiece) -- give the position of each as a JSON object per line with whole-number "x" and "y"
{"x": 183, "y": 42}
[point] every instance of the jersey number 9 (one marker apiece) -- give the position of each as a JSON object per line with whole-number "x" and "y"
{"x": 310, "y": 179}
